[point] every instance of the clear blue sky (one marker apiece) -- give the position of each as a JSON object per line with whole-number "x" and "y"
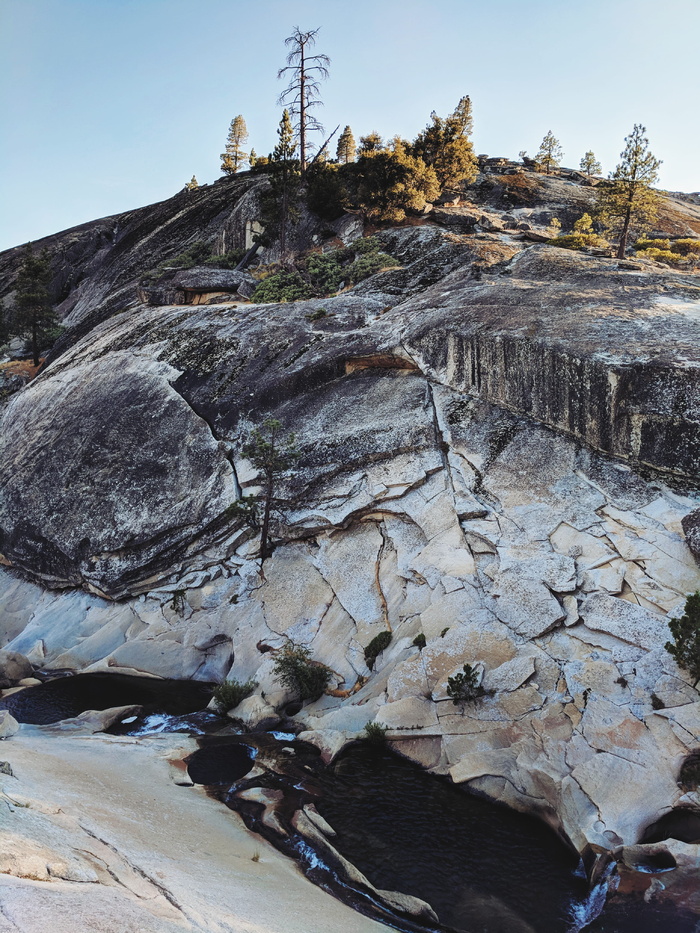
{"x": 106, "y": 105}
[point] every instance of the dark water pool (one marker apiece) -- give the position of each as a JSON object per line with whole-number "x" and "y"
{"x": 484, "y": 869}
{"x": 66, "y": 697}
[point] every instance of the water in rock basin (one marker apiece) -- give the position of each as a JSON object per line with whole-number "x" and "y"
{"x": 483, "y": 869}
{"x": 66, "y": 697}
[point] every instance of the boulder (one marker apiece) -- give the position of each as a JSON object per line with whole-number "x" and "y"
{"x": 8, "y": 724}
{"x": 14, "y": 667}
{"x": 691, "y": 529}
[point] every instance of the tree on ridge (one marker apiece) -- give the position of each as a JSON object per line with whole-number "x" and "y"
{"x": 345, "y": 151}
{"x": 627, "y": 201}
{"x": 589, "y": 164}
{"x": 549, "y": 155}
{"x": 234, "y": 156}
{"x": 305, "y": 74}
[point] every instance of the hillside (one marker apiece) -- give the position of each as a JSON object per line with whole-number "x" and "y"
{"x": 498, "y": 465}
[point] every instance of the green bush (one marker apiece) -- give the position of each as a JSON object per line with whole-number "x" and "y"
{"x": 376, "y": 646}
{"x": 228, "y": 695}
{"x": 662, "y": 255}
{"x": 297, "y": 672}
{"x": 464, "y": 686}
{"x": 582, "y": 235}
{"x": 686, "y": 247}
{"x": 226, "y": 260}
{"x": 419, "y": 641}
{"x": 644, "y": 243}
{"x": 375, "y": 733}
{"x": 282, "y": 287}
{"x": 685, "y": 648}
{"x": 318, "y": 275}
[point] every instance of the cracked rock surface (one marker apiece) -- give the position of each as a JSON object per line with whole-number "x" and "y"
{"x": 452, "y": 485}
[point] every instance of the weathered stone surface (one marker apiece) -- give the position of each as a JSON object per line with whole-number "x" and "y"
{"x": 8, "y": 725}
{"x": 14, "y": 667}
{"x": 124, "y": 479}
{"x": 691, "y": 528}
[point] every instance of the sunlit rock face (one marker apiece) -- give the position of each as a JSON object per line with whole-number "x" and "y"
{"x": 497, "y": 456}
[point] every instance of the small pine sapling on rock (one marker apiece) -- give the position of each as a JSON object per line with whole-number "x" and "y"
{"x": 464, "y": 687}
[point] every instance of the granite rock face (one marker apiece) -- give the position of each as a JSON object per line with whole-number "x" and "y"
{"x": 472, "y": 429}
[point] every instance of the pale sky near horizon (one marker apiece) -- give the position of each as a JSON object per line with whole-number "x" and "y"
{"x": 108, "y": 105}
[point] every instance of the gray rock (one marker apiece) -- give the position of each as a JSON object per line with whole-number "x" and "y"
{"x": 8, "y": 724}
{"x": 14, "y": 667}
{"x": 691, "y": 529}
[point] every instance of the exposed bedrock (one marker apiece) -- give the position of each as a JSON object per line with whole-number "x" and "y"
{"x": 463, "y": 508}
{"x": 120, "y": 476}
{"x": 608, "y": 356}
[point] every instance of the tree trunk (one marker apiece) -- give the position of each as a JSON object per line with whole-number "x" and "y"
{"x": 35, "y": 344}
{"x": 264, "y": 530}
{"x": 302, "y": 113}
{"x": 622, "y": 246}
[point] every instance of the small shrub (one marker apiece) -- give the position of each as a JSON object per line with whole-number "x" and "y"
{"x": 686, "y": 247}
{"x": 685, "y": 648}
{"x": 662, "y": 255}
{"x": 375, "y": 733}
{"x": 230, "y": 693}
{"x": 178, "y": 602}
{"x": 464, "y": 686}
{"x": 297, "y": 672}
{"x": 282, "y": 287}
{"x": 657, "y": 702}
{"x": 317, "y": 314}
{"x": 419, "y": 641}
{"x": 444, "y": 631}
{"x": 226, "y": 260}
{"x": 319, "y": 275}
{"x": 376, "y": 646}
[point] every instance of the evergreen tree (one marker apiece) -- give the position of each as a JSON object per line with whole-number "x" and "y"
{"x": 271, "y": 455}
{"x": 193, "y": 184}
{"x": 549, "y": 154}
{"x": 627, "y": 201}
{"x": 305, "y": 72}
{"x": 234, "y": 156}
{"x": 590, "y": 165}
{"x": 388, "y": 183}
{"x": 373, "y": 142}
{"x": 280, "y": 205}
{"x": 346, "y": 147}
{"x": 685, "y": 647}
{"x": 445, "y": 147}
{"x": 34, "y": 312}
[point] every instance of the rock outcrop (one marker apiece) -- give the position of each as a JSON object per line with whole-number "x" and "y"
{"x": 486, "y": 438}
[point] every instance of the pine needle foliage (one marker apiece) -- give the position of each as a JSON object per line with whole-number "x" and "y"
{"x": 549, "y": 154}
{"x": 685, "y": 647}
{"x": 297, "y": 672}
{"x": 627, "y": 201}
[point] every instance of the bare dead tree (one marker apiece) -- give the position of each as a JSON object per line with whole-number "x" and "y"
{"x": 305, "y": 73}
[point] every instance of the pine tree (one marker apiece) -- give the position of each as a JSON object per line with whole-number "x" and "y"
{"x": 627, "y": 201}
{"x": 373, "y": 142}
{"x": 685, "y": 647}
{"x": 271, "y": 455}
{"x": 193, "y": 184}
{"x": 589, "y": 164}
{"x": 234, "y": 156}
{"x": 445, "y": 147}
{"x": 280, "y": 205}
{"x": 252, "y": 158}
{"x": 34, "y": 311}
{"x": 305, "y": 72}
{"x": 346, "y": 147}
{"x": 549, "y": 154}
